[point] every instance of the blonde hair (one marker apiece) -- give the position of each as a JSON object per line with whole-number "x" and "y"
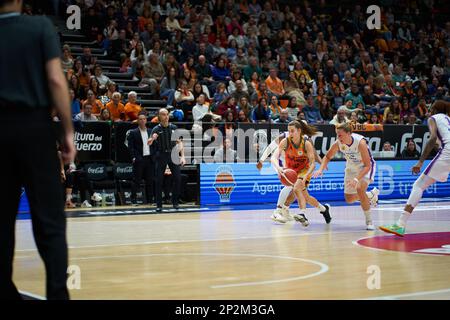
{"x": 346, "y": 126}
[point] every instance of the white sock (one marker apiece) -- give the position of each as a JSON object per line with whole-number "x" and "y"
{"x": 368, "y": 217}
{"x": 321, "y": 207}
{"x": 284, "y": 194}
{"x": 302, "y": 211}
{"x": 369, "y": 194}
{"x": 403, "y": 219}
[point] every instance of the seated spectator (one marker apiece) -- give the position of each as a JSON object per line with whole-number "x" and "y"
{"x": 67, "y": 60}
{"x": 204, "y": 72}
{"x": 189, "y": 79}
{"x": 283, "y": 118}
{"x": 75, "y": 103}
{"x": 251, "y": 68}
{"x": 86, "y": 114}
{"x": 116, "y": 107}
{"x": 220, "y": 72}
{"x": 169, "y": 85}
{"x": 229, "y": 104}
{"x": 340, "y": 116}
{"x": 96, "y": 104}
{"x": 239, "y": 91}
{"x": 153, "y": 73}
{"x": 292, "y": 88}
{"x": 105, "y": 115}
{"x": 387, "y": 151}
{"x": 410, "y": 151}
{"x": 107, "y": 97}
{"x": 412, "y": 119}
{"x": 293, "y": 107}
{"x": 101, "y": 78}
{"x": 94, "y": 87}
{"x": 234, "y": 79}
{"x": 373, "y": 119}
{"x": 225, "y": 153}
{"x": 325, "y": 110}
{"x": 132, "y": 109}
{"x": 220, "y": 95}
{"x": 274, "y": 84}
{"x": 184, "y": 98}
{"x": 312, "y": 112}
{"x": 245, "y": 106}
{"x": 199, "y": 111}
{"x": 275, "y": 108}
{"x": 261, "y": 113}
{"x": 354, "y": 96}
{"x": 390, "y": 119}
{"x": 242, "y": 117}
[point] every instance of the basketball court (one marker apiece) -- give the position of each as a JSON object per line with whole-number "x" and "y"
{"x": 242, "y": 254}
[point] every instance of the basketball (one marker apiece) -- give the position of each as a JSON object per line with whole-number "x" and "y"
{"x": 288, "y": 178}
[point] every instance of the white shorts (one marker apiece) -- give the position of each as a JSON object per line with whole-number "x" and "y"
{"x": 352, "y": 172}
{"x": 439, "y": 167}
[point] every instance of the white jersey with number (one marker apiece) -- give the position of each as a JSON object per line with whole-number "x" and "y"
{"x": 439, "y": 167}
{"x": 354, "y": 163}
{"x": 352, "y": 154}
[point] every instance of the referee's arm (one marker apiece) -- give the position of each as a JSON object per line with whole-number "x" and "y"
{"x": 59, "y": 91}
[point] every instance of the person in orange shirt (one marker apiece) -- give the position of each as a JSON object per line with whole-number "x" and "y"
{"x": 96, "y": 104}
{"x": 132, "y": 109}
{"x": 274, "y": 84}
{"x": 116, "y": 108}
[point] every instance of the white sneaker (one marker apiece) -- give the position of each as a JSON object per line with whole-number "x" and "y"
{"x": 374, "y": 199}
{"x": 96, "y": 197}
{"x": 370, "y": 226}
{"x": 86, "y": 204}
{"x": 286, "y": 214}
{"x": 300, "y": 217}
{"x": 277, "y": 216}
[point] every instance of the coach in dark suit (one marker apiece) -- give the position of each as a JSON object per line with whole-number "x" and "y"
{"x": 142, "y": 157}
{"x": 161, "y": 139}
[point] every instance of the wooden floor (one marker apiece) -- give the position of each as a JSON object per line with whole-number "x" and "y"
{"x": 241, "y": 255}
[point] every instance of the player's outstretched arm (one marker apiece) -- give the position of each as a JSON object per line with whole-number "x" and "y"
{"x": 429, "y": 146}
{"x": 330, "y": 154}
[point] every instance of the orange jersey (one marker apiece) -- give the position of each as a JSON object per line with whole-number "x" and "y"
{"x": 296, "y": 158}
{"x": 132, "y": 111}
{"x": 115, "y": 111}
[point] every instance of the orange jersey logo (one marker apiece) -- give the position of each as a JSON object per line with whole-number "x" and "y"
{"x": 296, "y": 158}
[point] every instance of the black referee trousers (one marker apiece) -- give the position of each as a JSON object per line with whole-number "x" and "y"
{"x": 163, "y": 159}
{"x": 29, "y": 158}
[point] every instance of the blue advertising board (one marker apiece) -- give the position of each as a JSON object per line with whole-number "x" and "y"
{"x": 242, "y": 183}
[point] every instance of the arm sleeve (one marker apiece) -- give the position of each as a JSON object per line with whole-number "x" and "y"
{"x": 50, "y": 42}
{"x": 269, "y": 150}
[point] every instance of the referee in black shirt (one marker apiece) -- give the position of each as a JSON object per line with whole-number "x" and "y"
{"x": 162, "y": 137}
{"x": 32, "y": 85}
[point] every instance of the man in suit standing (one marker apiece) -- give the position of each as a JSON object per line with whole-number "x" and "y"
{"x": 141, "y": 154}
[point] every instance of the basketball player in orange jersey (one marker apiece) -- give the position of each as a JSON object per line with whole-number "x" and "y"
{"x": 359, "y": 169}
{"x": 300, "y": 157}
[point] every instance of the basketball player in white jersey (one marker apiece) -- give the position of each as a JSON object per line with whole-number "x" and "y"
{"x": 437, "y": 170}
{"x": 359, "y": 170}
